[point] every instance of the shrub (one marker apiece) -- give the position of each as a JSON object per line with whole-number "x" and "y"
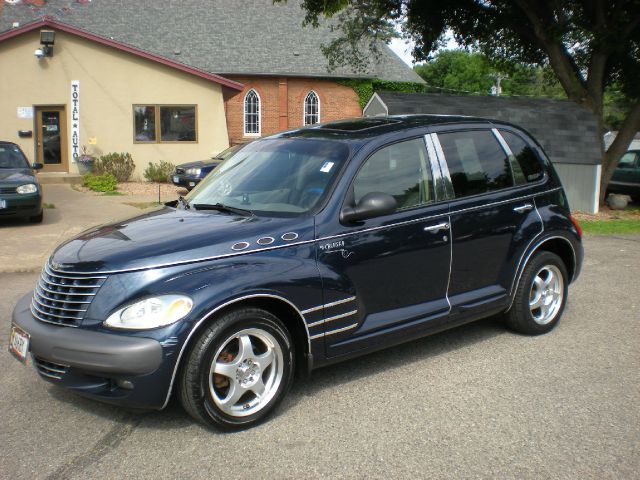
{"x": 120, "y": 165}
{"x": 159, "y": 172}
{"x": 106, "y": 182}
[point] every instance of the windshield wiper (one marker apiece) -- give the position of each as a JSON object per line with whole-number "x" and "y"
{"x": 184, "y": 203}
{"x": 223, "y": 208}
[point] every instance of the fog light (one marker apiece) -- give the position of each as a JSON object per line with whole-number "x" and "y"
{"x": 126, "y": 384}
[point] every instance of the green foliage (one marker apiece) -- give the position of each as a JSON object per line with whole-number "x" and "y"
{"x": 106, "y": 182}
{"x": 120, "y": 165}
{"x": 365, "y": 88}
{"x": 159, "y": 172}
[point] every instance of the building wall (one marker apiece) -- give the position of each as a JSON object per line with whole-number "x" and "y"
{"x": 111, "y": 82}
{"x": 282, "y": 103}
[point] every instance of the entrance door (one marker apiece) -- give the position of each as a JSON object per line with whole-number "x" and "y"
{"x": 51, "y": 139}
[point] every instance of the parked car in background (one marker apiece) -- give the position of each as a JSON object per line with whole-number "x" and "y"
{"x": 626, "y": 176}
{"x": 305, "y": 248}
{"x": 20, "y": 192}
{"x": 188, "y": 175}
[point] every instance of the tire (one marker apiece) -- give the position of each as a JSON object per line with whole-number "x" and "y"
{"x": 238, "y": 370}
{"x": 37, "y": 218}
{"x": 541, "y": 295}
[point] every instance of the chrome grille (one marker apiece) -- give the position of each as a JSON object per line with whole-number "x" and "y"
{"x": 62, "y": 298}
{"x": 49, "y": 369}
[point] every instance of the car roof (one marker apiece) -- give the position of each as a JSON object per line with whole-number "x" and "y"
{"x": 367, "y": 127}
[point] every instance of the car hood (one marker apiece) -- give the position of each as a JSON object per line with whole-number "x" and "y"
{"x": 17, "y": 175}
{"x": 201, "y": 163}
{"x": 169, "y": 236}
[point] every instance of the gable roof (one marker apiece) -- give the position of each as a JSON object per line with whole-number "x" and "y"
{"x": 248, "y": 37}
{"x": 51, "y": 23}
{"x": 566, "y": 131}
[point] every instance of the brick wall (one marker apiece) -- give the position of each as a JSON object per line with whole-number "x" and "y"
{"x": 282, "y": 103}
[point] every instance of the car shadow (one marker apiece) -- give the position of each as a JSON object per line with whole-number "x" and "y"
{"x": 174, "y": 417}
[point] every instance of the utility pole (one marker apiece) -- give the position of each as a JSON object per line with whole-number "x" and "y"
{"x": 496, "y": 89}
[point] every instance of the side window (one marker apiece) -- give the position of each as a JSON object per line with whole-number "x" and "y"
{"x": 525, "y": 163}
{"x": 400, "y": 170}
{"x": 477, "y": 163}
{"x": 628, "y": 160}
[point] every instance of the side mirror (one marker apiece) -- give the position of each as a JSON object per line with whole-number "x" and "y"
{"x": 373, "y": 204}
{"x": 37, "y": 166}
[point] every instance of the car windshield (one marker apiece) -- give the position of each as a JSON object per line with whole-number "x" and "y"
{"x": 273, "y": 176}
{"x": 223, "y": 155}
{"x": 12, "y": 157}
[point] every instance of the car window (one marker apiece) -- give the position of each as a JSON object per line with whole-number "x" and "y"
{"x": 628, "y": 160}
{"x": 525, "y": 163}
{"x": 477, "y": 163}
{"x": 400, "y": 170}
{"x": 12, "y": 157}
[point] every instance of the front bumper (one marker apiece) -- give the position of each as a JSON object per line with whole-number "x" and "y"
{"x": 114, "y": 368}
{"x": 183, "y": 180}
{"x": 28, "y": 205}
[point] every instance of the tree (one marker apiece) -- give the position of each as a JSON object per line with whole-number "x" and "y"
{"x": 588, "y": 44}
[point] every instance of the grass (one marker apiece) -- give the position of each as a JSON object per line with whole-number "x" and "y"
{"x": 48, "y": 205}
{"x": 614, "y": 226}
{"x": 115, "y": 193}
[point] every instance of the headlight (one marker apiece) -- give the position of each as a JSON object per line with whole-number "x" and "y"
{"x": 28, "y": 188}
{"x": 193, "y": 171}
{"x": 151, "y": 313}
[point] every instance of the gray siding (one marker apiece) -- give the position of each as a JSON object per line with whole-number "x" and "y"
{"x": 582, "y": 185}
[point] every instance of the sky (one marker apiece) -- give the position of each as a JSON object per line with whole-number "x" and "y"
{"x": 403, "y": 48}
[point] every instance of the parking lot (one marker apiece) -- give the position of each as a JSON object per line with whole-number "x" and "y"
{"x": 475, "y": 402}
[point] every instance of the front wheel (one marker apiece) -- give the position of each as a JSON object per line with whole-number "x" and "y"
{"x": 239, "y": 369}
{"x": 541, "y": 295}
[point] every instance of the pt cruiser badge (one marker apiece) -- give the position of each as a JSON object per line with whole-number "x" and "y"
{"x": 220, "y": 297}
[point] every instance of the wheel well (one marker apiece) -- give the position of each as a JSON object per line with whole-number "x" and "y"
{"x": 288, "y": 315}
{"x": 564, "y": 250}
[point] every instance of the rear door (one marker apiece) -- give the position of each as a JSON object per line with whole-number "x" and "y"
{"x": 493, "y": 213}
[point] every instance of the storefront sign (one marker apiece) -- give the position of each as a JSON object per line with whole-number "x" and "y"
{"x": 25, "y": 112}
{"x": 75, "y": 120}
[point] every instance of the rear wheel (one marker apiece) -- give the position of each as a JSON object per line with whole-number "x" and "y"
{"x": 541, "y": 295}
{"x": 239, "y": 370}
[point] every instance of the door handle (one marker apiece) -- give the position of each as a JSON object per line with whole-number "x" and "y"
{"x": 524, "y": 208}
{"x": 437, "y": 228}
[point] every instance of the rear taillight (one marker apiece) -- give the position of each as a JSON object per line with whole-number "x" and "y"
{"x": 575, "y": 224}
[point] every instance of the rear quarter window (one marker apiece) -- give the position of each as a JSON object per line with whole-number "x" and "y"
{"x": 477, "y": 163}
{"x": 525, "y": 162}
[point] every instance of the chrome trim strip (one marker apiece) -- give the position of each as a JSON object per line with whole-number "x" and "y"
{"x": 443, "y": 166}
{"x": 335, "y": 317}
{"x": 33, "y": 304}
{"x": 502, "y": 202}
{"x": 333, "y": 332}
{"x": 61, "y": 368}
{"x": 71, "y": 286}
{"x": 64, "y": 293}
{"x": 50, "y": 271}
{"x": 217, "y": 309}
{"x": 436, "y": 172}
{"x": 46, "y": 374}
{"x": 446, "y": 295}
{"x": 86, "y": 302}
{"x": 52, "y": 323}
{"x": 328, "y": 305}
{"x": 503, "y": 143}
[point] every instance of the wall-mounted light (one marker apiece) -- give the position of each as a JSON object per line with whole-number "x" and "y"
{"x": 47, "y": 39}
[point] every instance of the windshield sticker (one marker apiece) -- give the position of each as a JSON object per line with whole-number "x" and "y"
{"x": 326, "y": 168}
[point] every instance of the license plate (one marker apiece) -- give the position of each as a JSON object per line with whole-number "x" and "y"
{"x": 176, "y": 179}
{"x": 19, "y": 343}
{"x": 3, "y": 204}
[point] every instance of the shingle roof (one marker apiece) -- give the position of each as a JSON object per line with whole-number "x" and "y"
{"x": 222, "y": 36}
{"x": 567, "y": 131}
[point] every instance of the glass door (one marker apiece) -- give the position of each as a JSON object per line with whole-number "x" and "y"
{"x": 51, "y": 138}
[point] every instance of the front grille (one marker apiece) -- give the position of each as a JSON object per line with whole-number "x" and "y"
{"x": 179, "y": 171}
{"x": 7, "y": 190}
{"x": 62, "y": 298}
{"x": 49, "y": 369}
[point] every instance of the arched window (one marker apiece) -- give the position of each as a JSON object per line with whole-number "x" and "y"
{"x": 311, "y": 108}
{"x": 252, "y": 113}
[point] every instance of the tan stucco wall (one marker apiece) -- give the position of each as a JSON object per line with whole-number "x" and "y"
{"x": 111, "y": 82}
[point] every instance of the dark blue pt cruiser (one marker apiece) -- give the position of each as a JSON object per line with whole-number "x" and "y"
{"x": 305, "y": 248}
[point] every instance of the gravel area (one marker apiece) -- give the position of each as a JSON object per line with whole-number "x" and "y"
{"x": 150, "y": 189}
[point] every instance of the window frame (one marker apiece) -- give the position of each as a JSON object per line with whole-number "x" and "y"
{"x": 244, "y": 114}
{"x": 158, "y": 134}
{"x": 304, "y": 108}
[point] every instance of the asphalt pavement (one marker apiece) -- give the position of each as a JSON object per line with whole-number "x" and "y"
{"x": 473, "y": 402}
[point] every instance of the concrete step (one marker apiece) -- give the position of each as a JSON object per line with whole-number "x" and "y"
{"x": 59, "y": 178}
